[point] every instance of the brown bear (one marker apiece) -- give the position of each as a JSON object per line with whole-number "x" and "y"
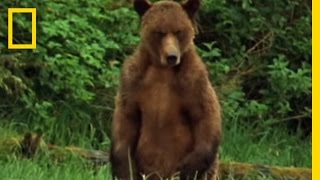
{"x": 167, "y": 118}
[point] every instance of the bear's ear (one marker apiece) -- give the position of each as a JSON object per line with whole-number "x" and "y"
{"x": 191, "y": 7}
{"x": 141, "y": 6}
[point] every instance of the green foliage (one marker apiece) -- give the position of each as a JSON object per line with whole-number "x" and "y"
{"x": 259, "y": 56}
{"x": 79, "y": 45}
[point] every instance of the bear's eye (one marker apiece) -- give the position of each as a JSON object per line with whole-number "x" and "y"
{"x": 179, "y": 34}
{"x": 159, "y": 34}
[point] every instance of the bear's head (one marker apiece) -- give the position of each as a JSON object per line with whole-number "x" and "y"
{"x": 167, "y": 30}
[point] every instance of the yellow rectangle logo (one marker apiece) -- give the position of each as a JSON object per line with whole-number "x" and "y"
{"x": 33, "y": 44}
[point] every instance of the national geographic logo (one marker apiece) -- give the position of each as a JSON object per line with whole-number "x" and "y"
{"x": 33, "y": 44}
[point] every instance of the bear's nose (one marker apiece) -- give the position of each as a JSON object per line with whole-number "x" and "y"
{"x": 172, "y": 59}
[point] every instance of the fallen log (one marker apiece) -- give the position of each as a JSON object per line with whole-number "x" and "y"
{"x": 30, "y": 145}
{"x": 241, "y": 170}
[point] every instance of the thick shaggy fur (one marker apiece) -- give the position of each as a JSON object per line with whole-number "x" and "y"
{"x": 167, "y": 117}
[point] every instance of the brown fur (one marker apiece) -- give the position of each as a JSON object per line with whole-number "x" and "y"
{"x": 167, "y": 117}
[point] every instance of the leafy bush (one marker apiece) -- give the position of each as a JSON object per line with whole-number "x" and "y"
{"x": 259, "y": 55}
{"x": 78, "y": 46}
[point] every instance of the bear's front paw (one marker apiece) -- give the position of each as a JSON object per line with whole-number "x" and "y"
{"x": 194, "y": 165}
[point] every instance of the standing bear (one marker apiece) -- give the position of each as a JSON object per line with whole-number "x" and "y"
{"x": 167, "y": 118}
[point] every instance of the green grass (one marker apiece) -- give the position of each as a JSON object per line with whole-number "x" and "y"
{"x": 45, "y": 170}
{"x": 241, "y": 144}
{"x": 271, "y": 147}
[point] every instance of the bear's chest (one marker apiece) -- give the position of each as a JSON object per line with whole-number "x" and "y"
{"x": 158, "y": 97}
{"x": 165, "y": 135}
{"x": 159, "y": 104}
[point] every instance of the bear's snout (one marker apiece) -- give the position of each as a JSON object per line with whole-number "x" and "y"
{"x": 172, "y": 60}
{"x": 171, "y": 56}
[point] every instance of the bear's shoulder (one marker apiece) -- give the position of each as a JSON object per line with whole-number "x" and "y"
{"x": 195, "y": 70}
{"x": 132, "y": 72}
